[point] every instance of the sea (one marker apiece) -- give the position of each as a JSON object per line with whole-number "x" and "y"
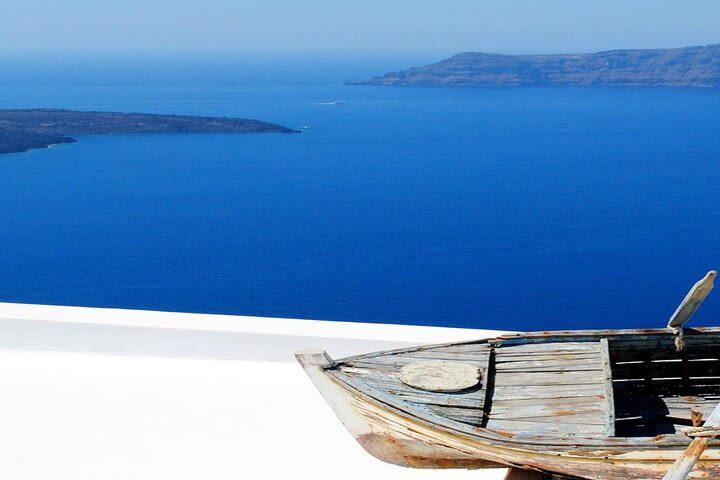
{"x": 498, "y": 208}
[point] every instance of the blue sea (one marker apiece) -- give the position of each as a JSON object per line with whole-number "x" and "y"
{"x": 507, "y": 208}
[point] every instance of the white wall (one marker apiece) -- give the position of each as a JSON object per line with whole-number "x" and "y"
{"x": 105, "y": 394}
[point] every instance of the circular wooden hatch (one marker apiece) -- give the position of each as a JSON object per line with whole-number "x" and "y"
{"x": 440, "y": 376}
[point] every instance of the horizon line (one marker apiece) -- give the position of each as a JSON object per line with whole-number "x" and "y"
{"x": 352, "y": 52}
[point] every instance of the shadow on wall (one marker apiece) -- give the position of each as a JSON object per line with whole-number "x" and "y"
{"x": 177, "y": 343}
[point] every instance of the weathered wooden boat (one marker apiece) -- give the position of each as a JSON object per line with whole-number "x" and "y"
{"x": 600, "y": 404}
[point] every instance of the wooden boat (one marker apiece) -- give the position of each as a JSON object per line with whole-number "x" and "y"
{"x": 599, "y": 404}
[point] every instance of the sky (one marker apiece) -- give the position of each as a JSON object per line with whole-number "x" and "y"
{"x": 352, "y": 26}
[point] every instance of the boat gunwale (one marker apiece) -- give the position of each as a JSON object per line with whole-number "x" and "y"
{"x": 538, "y": 337}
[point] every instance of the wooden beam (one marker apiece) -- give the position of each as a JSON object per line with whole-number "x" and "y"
{"x": 686, "y": 462}
{"x": 609, "y": 393}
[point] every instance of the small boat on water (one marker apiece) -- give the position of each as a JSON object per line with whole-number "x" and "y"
{"x": 597, "y": 404}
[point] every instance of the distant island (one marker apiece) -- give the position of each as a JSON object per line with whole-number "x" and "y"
{"x": 675, "y": 67}
{"x": 25, "y": 129}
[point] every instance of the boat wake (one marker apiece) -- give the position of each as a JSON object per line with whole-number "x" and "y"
{"x": 334, "y": 102}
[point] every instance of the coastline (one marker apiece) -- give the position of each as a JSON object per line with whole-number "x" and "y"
{"x": 26, "y": 129}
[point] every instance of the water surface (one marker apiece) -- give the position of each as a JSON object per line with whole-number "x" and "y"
{"x": 492, "y": 208}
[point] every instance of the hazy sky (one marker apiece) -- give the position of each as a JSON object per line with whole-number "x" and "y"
{"x": 358, "y": 26}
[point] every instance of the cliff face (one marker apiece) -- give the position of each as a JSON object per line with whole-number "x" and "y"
{"x": 676, "y": 67}
{"x": 22, "y": 130}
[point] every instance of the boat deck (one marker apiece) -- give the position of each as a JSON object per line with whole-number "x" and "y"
{"x": 380, "y": 372}
{"x": 590, "y": 386}
{"x": 549, "y": 389}
{"x": 555, "y": 389}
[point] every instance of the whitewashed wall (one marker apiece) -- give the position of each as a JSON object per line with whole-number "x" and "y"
{"x": 124, "y": 394}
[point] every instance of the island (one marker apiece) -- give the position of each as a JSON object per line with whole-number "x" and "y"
{"x": 674, "y": 67}
{"x": 25, "y": 129}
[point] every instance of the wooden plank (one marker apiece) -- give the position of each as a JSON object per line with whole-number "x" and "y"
{"x": 383, "y": 374}
{"x": 549, "y": 378}
{"x": 608, "y": 384}
{"x": 473, "y": 413}
{"x": 691, "y": 401}
{"x": 686, "y": 462}
{"x": 556, "y": 359}
{"x": 664, "y": 343}
{"x": 692, "y": 300}
{"x": 561, "y": 402}
{"x": 544, "y": 356}
{"x": 369, "y": 372}
{"x": 395, "y": 362}
{"x": 435, "y": 355}
{"x": 463, "y": 348}
{"x": 447, "y": 400}
{"x": 368, "y": 366}
{"x": 597, "y": 334}
{"x": 399, "y": 361}
{"x": 471, "y": 421}
{"x": 591, "y": 416}
{"x": 559, "y": 366}
{"x": 545, "y": 347}
{"x": 513, "y": 392}
{"x": 477, "y": 345}
{"x": 544, "y": 429}
{"x": 558, "y": 406}
{"x": 571, "y": 413}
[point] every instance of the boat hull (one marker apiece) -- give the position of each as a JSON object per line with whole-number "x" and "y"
{"x": 402, "y": 440}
